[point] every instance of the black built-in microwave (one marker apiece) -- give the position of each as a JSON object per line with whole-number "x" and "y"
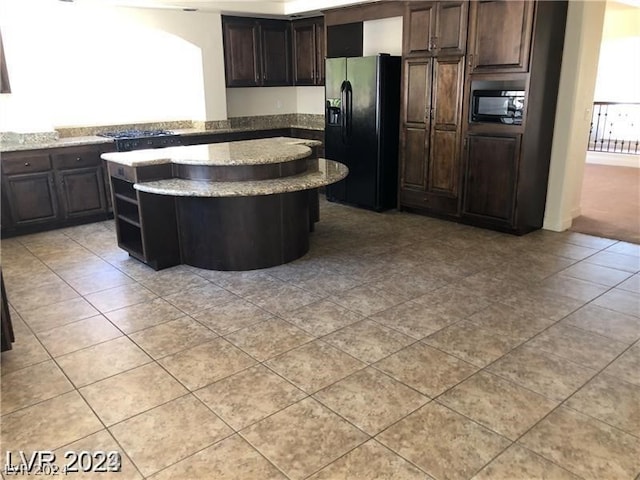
{"x": 500, "y": 106}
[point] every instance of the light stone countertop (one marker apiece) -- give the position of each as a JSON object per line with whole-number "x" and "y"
{"x": 328, "y": 172}
{"x": 6, "y": 146}
{"x": 243, "y": 152}
{"x": 9, "y": 141}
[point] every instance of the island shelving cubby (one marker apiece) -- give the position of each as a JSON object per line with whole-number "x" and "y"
{"x": 145, "y": 224}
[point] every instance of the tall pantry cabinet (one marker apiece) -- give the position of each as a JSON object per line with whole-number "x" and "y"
{"x": 488, "y": 174}
{"x": 433, "y": 75}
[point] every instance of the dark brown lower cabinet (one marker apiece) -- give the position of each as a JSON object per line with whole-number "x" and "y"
{"x": 491, "y": 179}
{"x": 82, "y": 191}
{"x": 47, "y": 189}
{"x": 31, "y": 198}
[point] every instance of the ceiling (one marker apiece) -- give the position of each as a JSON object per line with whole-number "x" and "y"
{"x": 271, "y": 7}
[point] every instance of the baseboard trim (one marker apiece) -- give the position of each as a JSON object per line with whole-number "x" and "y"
{"x": 576, "y": 212}
{"x": 614, "y": 159}
{"x": 557, "y": 224}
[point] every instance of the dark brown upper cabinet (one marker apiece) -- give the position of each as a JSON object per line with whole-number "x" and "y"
{"x": 257, "y": 52}
{"x": 308, "y": 51}
{"x": 500, "y": 35}
{"x": 435, "y": 28}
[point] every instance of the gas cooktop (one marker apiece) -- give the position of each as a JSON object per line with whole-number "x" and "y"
{"x": 134, "y": 133}
{"x": 135, "y": 139}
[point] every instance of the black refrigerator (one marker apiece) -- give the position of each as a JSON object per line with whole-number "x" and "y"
{"x": 362, "y": 110}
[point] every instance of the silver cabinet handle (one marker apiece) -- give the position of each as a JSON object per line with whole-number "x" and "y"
{"x": 27, "y": 164}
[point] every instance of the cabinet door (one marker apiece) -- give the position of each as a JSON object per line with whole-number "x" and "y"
{"x": 276, "y": 53}
{"x": 241, "y": 52}
{"x": 491, "y": 176}
{"x": 414, "y": 146}
{"x": 82, "y": 191}
{"x": 320, "y": 51}
{"x": 304, "y": 57}
{"x": 451, "y": 28}
{"x": 31, "y": 197}
{"x": 444, "y": 158}
{"x": 500, "y": 35}
{"x": 419, "y": 22}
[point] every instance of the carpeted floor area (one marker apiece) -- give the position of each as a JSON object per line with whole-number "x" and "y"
{"x": 610, "y": 203}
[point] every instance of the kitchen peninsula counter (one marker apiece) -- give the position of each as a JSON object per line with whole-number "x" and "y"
{"x": 226, "y": 206}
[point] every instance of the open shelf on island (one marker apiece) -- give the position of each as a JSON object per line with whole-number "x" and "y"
{"x": 126, "y": 198}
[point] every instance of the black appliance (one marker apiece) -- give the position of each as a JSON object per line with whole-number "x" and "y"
{"x": 500, "y": 106}
{"x": 362, "y": 113}
{"x": 127, "y": 140}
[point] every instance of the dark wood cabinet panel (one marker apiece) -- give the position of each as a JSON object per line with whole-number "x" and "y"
{"x": 444, "y": 158}
{"x": 25, "y": 163}
{"x": 448, "y": 78}
{"x": 500, "y": 35}
{"x": 419, "y": 22}
{"x": 275, "y": 43}
{"x": 414, "y": 165}
{"x": 435, "y": 28}
{"x": 451, "y": 28}
{"x": 491, "y": 176}
{"x": 82, "y": 191}
{"x": 31, "y": 198}
{"x": 241, "y": 54}
{"x": 345, "y": 40}
{"x": 308, "y": 48}
{"x": 320, "y": 50}
{"x": 257, "y": 52}
{"x": 414, "y": 141}
{"x": 417, "y": 100}
{"x": 443, "y": 163}
{"x": 304, "y": 64}
{"x": 45, "y": 189}
{"x": 430, "y": 137}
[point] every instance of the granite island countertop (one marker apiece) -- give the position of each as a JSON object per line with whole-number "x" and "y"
{"x": 243, "y": 152}
{"x": 328, "y": 172}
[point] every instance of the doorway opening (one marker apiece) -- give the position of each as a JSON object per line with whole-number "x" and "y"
{"x": 610, "y": 199}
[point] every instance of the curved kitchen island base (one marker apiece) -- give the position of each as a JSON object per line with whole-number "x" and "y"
{"x": 243, "y": 233}
{"x": 232, "y": 206}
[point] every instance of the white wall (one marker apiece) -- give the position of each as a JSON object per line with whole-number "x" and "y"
{"x": 382, "y": 36}
{"x": 81, "y": 64}
{"x": 252, "y": 101}
{"x": 619, "y": 65}
{"x": 255, "y": 101}
{"x": 573, "y": 114}
{"x": 310, "y": 100}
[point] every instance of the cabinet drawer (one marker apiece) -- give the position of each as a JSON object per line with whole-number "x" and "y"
{"x": 26, "y": 164}
{"x": 75, "y": 160}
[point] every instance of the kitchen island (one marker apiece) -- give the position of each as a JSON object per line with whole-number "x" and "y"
{"x": 226, "y": 206}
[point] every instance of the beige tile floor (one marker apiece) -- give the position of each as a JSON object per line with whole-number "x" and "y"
{"x": 399, "y": 347}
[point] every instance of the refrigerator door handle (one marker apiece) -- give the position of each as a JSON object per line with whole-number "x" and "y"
{"x": 343, "y": 111}
{"x": 349, "y": 110}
